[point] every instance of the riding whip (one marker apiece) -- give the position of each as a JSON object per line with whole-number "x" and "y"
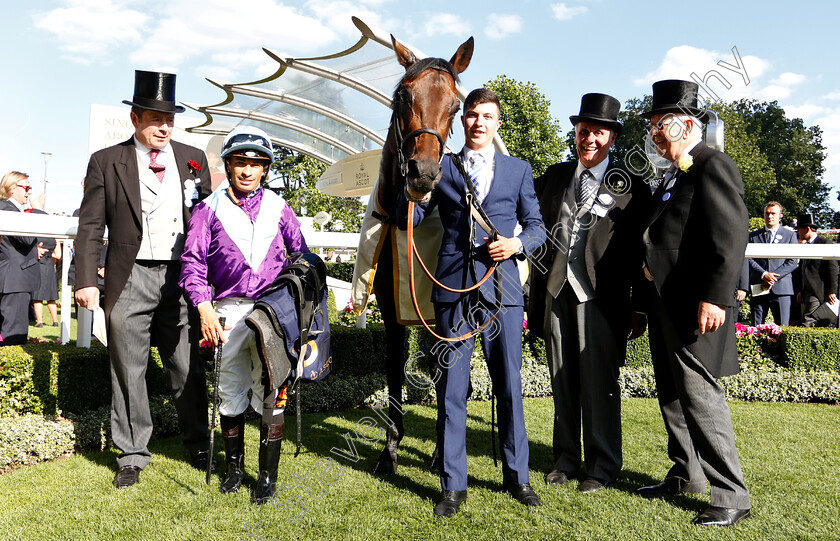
{"x": 217, "y": 364}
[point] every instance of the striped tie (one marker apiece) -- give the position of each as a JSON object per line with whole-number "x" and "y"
{"x": 476, "y": 170}
{"x": 157, "y": 168}
{"x": 584, "y": 188}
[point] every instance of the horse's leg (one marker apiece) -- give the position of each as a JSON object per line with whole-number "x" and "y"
{"x": 394, "y": 361}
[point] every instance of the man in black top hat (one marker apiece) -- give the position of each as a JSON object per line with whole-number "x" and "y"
{"x": 142, "y": 190}
{"x": 694, "y": 241}
{"x": 815, "y": 280}
{"x": 592, "y": 211}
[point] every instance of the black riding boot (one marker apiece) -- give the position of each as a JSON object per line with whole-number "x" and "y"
{"x": 233, "y": 433}
{"x": 271, "y": 436}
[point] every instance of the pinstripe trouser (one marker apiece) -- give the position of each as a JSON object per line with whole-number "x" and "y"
{"x": 152, "y": 305}
{"x": 701, "y": 437}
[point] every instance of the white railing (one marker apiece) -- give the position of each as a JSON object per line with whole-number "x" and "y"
{"x": 65, "y": 228}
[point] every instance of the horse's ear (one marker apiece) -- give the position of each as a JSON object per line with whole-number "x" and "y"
{"x": 404, "y": 56}
{"x": 462, "y": 56}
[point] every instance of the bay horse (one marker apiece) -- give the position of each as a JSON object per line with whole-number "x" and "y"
{"x": 425, "y": 103}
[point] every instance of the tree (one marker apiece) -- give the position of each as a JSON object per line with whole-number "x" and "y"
{"x": 299, "y": 173}
{"x": 528, "y": 129}
{"x": 795, "y": 154}
{"x": 755, "y": 168}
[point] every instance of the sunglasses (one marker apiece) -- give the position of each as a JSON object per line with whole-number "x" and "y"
{"x": 25, "y": 188}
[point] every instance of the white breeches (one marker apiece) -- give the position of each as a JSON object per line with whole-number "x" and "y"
{"x": 241, "y": 369}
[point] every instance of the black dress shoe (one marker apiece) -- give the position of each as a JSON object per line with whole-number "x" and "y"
{"x": 450, "y": 503}
{"x": 127, "y": 476}
{"x": 721, "y": 516}
{"x": 523, "y": 493}
{"x": 198, "y": 459}
{"x": 671, "y": 486}
{"x": 591, "y": 485}
{"x": 557, "y": 477}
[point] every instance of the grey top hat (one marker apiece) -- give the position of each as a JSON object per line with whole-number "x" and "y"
{"x": 678, "y": 97}
{"x": 599, "y": 108}
{"x": 155, "y": 91}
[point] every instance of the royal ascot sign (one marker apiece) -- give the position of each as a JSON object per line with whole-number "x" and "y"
{"x": 354, "y": 176}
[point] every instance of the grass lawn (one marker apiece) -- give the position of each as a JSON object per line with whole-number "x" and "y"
{"x": 790, "y": 455}
{"x": 50, "y": 332}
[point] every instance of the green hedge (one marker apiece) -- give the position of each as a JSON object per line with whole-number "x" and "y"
{"x": 41, "y": 380}
{"x": 48, "y": 378}
{"x": 811, "y": 349}
{"x": 340, "y": 271}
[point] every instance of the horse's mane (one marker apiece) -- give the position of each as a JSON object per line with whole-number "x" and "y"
{"x": 420, "y": 66}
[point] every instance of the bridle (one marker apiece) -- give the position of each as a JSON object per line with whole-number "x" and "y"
{"x": 400, "y": 142}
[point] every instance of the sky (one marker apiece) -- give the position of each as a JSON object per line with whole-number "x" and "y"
{"x": 61, "y": 56}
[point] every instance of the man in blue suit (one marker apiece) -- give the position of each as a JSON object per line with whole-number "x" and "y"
{"x": 773, "y": 274}
{"x": 505, "y": 188}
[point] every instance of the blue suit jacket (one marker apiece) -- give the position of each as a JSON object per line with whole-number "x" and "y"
{"x": 511, "y": 199}
{"x": 784, "y": 267}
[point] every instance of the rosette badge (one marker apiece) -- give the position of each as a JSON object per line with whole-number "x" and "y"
{"x": 685, "y": 162}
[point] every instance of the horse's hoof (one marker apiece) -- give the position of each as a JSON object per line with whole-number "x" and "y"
{"x": 385, "y": 468}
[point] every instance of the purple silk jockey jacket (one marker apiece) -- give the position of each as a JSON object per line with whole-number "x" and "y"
{"x": 238, "y": 250}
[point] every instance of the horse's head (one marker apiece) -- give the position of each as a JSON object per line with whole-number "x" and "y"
{"x": 425, "y": 104}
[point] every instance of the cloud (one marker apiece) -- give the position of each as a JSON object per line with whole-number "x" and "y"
{"x": 87, "y": 30}
{"x": 445, "y": 23}
{"x": 223, "y": 30}
{"x": 789, "y": 79}
{"x": 831, "y": 96}
{"x": 225, "y": 67}
{"x": 562, "y": 12}
{"x": 501, "y": 25}
{"x": 681, "y": 61}
{"x": 337, "y": 15}
{"x": 730, "y": 81}
{"x": 805, "y": 112}
{"x": 161, "y": 36}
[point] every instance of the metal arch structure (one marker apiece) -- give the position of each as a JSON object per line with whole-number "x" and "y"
{"x": 307, "y": 104}
{"x": 278, "y": 120}
{"x": 327, "y": 107}
{"x": 287, "y": 143}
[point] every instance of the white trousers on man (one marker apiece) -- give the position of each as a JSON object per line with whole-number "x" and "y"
{"x": 241, "y": 368}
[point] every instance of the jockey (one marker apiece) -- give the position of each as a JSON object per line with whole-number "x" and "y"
{"x": 237, "y": 243}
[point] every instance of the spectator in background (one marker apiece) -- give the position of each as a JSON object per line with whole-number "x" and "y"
{"x": 218, "y": 176}
{"x": 815, "y": 280}
{"x": 743, "y": 283}
{"x": 20, "y": 276}
{"x": 772, "y": 274}
{"x": 48, "y": 291}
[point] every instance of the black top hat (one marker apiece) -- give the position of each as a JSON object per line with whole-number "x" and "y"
{"x": 599, "y": 108}
{"x": 155, "y": 91}
{"x": 806, "y": 220}
{"x": 675, "y": 96}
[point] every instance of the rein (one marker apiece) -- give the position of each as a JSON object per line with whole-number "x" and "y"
{"x": 400, "y": 141}
{"x": 412, "y": 251}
